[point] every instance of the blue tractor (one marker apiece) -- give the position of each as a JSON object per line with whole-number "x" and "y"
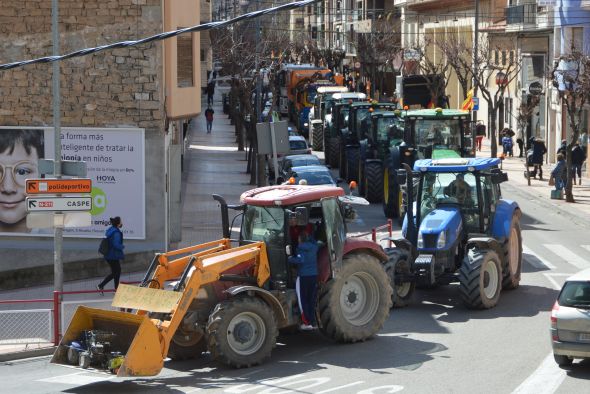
{"x": 457, "y": 228}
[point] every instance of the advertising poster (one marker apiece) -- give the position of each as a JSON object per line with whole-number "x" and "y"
{"x": 115, "y": 162}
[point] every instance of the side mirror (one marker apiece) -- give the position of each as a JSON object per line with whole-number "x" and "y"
{"x": 401, "y": 177}
{"x": 302, "y": 214}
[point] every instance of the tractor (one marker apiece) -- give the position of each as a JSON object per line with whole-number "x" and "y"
{"x": 428, "y": 134}
{"x": 317, "y": 114}
{"x": 231, "y": 297}
{"x": 359, "y": 123}
{"x": 457, "y": 228}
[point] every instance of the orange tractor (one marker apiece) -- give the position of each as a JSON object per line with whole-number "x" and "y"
{"x": 233, "y": 300}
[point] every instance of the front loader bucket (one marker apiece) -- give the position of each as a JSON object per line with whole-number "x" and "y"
{"x": 135, "y": 337}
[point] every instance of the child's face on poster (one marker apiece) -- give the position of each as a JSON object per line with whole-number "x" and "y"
{"x": 15, "y": 168}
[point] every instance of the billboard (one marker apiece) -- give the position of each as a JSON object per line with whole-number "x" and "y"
{"x": 115, "y": 159}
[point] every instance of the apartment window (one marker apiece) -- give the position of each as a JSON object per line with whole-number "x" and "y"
{"x": 496, "y": 57}
{"x": 508, "y": 111}
{"x": 203, "y": 55}
{"x": 503, "y": 58}
{"x": 557, "y": 42}
{"x": 577, "y": 38}
{"x": 299, "y": 22}
{"x": 184, "y": 60}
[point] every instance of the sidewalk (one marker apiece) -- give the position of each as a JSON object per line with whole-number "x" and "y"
{"x": 540, "y": 190}
{"x": 212, "y": 164}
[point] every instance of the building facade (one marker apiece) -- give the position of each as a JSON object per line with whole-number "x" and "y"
{"x": 136, "y": 97}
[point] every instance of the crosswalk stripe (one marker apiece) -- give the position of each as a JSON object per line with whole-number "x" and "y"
{"x": 568, "y": 255}
{"x": 537, "y": 261}
{"x": 587, "y": 247}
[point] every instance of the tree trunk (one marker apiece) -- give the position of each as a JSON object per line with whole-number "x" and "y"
{"x": 569, "y": 194}
{"x": 492, "y": 127}
{"x": 260, "y": 167}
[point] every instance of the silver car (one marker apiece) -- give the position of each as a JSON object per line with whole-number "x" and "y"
{"x": 570, "y": 320}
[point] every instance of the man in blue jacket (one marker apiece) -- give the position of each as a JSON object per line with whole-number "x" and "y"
{"x": 306, "y": 261}
{"x": 115, "y": 253}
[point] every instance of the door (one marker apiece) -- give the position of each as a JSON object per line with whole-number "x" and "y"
{"x": 335, "y": 232}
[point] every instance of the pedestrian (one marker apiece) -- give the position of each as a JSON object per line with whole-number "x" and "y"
{"x": 210, "y": 93}
{"x": 209, "y": 118}
{"x": 539, "y": 150}
{"x": 520, "y": 143}
{"x": 306, "y": 261}
{"x": 578, "y": 158}
{"x": 562, "y": 148}
{"x": 507, "y": 145}
{"x": 115, "y": 253}
{"x": 480, "y": 132}
{"x": 559, "y": 173}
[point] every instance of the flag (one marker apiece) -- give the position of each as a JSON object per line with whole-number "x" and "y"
{"x": 468, "y": 103}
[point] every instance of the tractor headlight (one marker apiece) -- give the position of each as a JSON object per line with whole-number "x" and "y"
{"x": 420, "y": 241}
{"x": 442, "y": 240}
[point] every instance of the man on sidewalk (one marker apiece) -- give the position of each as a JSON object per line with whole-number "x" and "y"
{"x": 209, "y": 118}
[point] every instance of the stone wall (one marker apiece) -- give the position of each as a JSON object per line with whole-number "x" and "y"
{"x": 114, "y": 88}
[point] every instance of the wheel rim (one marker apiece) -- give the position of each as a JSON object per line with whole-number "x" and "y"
{"x": 490, "y": 279}
{"x": 184, "y": 339}
{"x": 246, "y": 333}
{"x": 359, "y": 298}
{"x": 402, "y": 290}
{"x": 514, "y": 250}
{"x": 386, "y": 186}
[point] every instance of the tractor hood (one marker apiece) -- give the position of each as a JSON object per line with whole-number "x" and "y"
{"x": 444, "y": 219}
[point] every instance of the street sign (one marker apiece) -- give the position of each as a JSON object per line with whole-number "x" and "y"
{"x": 475, "y": 103}
{"x": 536, "y": 88}
{"x": 52, "y": 219}
{"x": 265, "y": 141}
{"x": 49, "y": 204}
{"x": 58, "y": 186}
{"x": 68, "y": 167}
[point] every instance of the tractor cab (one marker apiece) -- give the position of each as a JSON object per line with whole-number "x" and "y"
{"x": 439, "y": 133}
{"x": 359, "y": 120}
{"x": 386, "y": 130}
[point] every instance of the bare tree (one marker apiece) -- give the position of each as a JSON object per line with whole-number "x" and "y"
{"x": 458, "y": 55}
{"x": 571, "y": 77}
{"x": 525, "y": 111}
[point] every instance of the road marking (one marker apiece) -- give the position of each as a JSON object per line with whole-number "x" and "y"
{"x": 556, "y": 285}
{"x": 537, "y": 261}
{"x": 76, "y": 379}
{"x": 256, "y": 385}
{"x": 546, "y": 379}
{"x": 587, "y": 247}
{"x": 340, "y": 387}
{"x": 568, "y": 255}
{"x": 281, "y": 389}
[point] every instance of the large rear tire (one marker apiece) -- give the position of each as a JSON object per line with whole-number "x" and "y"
{"x": 241, "y": 332}
{"x": 399, "y": 263}
{"x": 563, "y": 361}
{"x": 353, "y": 156}
{"x": 342, "y": 161}
{"x": 354, "y": 306}
{"x": 317, "y": 137}
{"x": 391, "y": 195}
{"x": 512, "y": 256}
{"x": 480, "y": 279}
{"x": 373, "y": 182}
{"x": 184, "y": 346}
{"x": 334, "y": 152}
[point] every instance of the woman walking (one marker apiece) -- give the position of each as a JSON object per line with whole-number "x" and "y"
{"x": 115, "y": 253}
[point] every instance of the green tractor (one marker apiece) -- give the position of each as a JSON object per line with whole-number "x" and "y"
{"x": 428, "y": 134}
{"x": 324, "y": 99}
{"x": 359, "y": 124}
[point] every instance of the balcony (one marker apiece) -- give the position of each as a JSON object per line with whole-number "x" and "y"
{"x": 430, "y": 5}
{"x": 523, "y": 14}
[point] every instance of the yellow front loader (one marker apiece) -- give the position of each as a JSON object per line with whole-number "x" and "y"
{"x": 137, "y": 343}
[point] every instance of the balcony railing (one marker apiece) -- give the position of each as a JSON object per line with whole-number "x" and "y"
{"x": 521, "y": 14}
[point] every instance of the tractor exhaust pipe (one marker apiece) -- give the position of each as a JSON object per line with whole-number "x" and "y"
{"x": 412, "y": 232}
{"x": 224, "y": 215}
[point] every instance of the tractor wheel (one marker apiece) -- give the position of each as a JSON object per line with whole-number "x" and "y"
{"x": 352, "y": 164}
{"x": 361, "y": 179}
{"x": 241, "y": 332}
{"x": 317, "y": 138}
{"x": 354, "y": 306}
{"x": 391, "y": 195}
{"x": 342, "y": 161}
{"x": 398, "y": 263}
{"x": 512, "y": 256}
{"x": 480, "y": 279}
{"x": 185, "y": 346}
{"x": 373, "y": 182}
{"x": 334, "y": 152}
{"x": 563, "y": 361}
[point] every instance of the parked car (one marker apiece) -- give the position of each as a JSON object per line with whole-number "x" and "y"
{"x": 291, "y": 161}
{"x": 313, "y": 175}
{"x": 570, "y": 320}
{"x": 293, "y": 132}
{"x": 298, "y": 145}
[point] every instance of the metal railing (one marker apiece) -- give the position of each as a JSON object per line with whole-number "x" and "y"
{"x": 521, "y": 14}
{"x": 388, "y": 227}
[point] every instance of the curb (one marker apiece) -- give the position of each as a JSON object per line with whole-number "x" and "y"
{"x": 27, "y": 354}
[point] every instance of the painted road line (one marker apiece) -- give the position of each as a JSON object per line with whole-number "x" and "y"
{"x": 545, "y": 380}
{"x": 568, "y": 255}
{"x": 556, "y": 285}
{"x": 340, "y": 387}
{"x": 536, "y": 260}
{"x": 587, "y": 247}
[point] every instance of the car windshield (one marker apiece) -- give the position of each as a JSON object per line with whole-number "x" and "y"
{"x": 343, "y": 116}
{"x": 450, "y": 188}
{"x": 575, "y": 294}
{"x": 362, "y": 118}
{"x": 297, "y": 145}
{"x": 263, "y": 224}
{"x": 439, "y": 135}
{"x": 315, "y": 177}
{"x": 390, "y": 129}
{"x": 305, "y": 161}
